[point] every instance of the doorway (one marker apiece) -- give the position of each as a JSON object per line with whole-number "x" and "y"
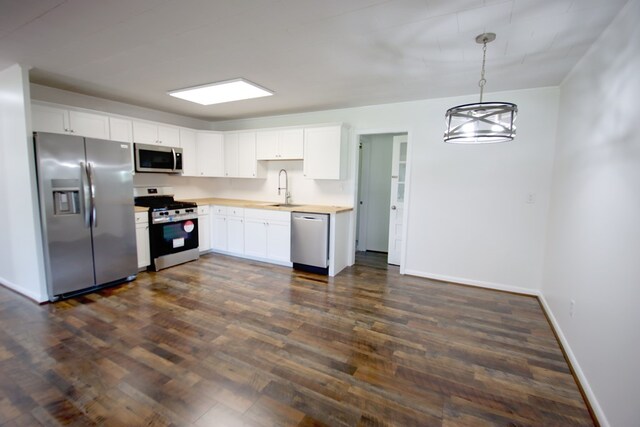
{"x": 380, "y": 195}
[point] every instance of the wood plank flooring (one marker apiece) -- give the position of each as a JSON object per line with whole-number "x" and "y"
{"x": 229, "y": 342}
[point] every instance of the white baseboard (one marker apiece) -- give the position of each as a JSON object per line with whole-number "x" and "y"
{"x": 588, "y": 391}
{"x": 470, "y": 282}
{"x": 23, "y": 291}
{"x": 253, "y": 258}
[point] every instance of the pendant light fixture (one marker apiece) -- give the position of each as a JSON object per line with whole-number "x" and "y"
{"x": 482, "y": 122}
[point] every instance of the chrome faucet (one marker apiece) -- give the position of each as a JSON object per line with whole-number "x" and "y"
{"x": 287, "y": 195}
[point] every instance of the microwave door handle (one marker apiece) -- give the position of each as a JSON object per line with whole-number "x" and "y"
{"x": 92, "y": 187}
{"x": 175, "y": 160}
{"x": 86, "y": 198}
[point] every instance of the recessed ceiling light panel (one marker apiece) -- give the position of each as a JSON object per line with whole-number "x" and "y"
{"x": 217, "y": 93}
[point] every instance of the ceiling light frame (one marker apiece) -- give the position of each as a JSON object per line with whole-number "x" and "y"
{"x": 481, "y": 122}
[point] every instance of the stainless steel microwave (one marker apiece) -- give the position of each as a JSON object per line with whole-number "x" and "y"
{"x": 156, "y": 158}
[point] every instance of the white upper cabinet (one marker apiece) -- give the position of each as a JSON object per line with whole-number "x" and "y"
{"x": 247, "y": 164}
{"x": 59, "y": 120}
{"x": 325, "y": 152}
{"x": 282, "y": 144}
{"x": 240, "y": 156}
{"x": 189, "y": 152}
{"x": 154, "y": 133}
{"x": 210, "y": 154}
{"x": 121, "y": 129}
{"x": 89, "y": 124}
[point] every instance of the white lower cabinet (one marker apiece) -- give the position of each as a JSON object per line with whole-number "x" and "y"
{"x": 279, "y": 240}
{"x": 268, "y": 234}
{"x": 235, "y": 234}
{"x": 142, "y": 239}
{"x": 255, "y": 238}
{"x": 218, "y": 228}
{"x": 261, "y": 234}
{"x": 204, "y": 229}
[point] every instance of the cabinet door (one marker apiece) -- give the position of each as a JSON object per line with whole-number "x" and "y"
{"x": 267, "y": 145}
{"x": 235, "y": 235}
{"x": 120, "y": 129}
{"x": 142, "y": 244}
{"x": 231, "y": 155}
{"x": 210, "y": 149}
{"x": 291, "y": 144}
{"x": 204, "y": 233}
{"x": 145, "y": 133}
{"x": 255, "y": 237}
{"x": 168, "y": 135}
{"x": 279, "y": 241}
{"x": 322, "y": 152}
{"x": 247, "y": 163}
{"x": 189, "y": 152}
{"x": 89, "y": 124}
{"x": 49, "y": 119}
{"x": 219, "y": 232}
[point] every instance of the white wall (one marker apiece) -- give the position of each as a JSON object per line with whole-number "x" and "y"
{"x": 378, "y": 191}
{"x": 468, "y": 220}
{"x": 21, "y": 258}
{"x": 593, "y": 248}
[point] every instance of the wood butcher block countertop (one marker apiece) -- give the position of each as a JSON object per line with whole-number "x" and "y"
{"x": 254, "y": 204}
{"x": 140, "y": 209}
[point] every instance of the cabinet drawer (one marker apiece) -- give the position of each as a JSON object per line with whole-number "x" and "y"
{"x": 142, "y": 217}
{"x": 234, "y": 211}
{"x": 267, "y": 215}
{"x": 219, "y": 210}
{"x": 203, "y": 210}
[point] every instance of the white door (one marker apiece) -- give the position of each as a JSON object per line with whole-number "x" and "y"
{"x": 398, "y": 178}
{"x": 255, "y": 237}
{"x": 89, "y": 124}
{"x": 189, "y": 152}
{"x": 279, "y": 241}
{"x": 219, "y": 232}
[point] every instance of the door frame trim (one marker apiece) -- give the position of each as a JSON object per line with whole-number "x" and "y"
{"x": 357, "y": 133}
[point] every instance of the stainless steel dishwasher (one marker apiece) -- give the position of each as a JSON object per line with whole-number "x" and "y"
{"x": 310, "y": 242}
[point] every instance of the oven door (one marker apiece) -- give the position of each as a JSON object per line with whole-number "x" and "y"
{"x": 173, "y": 237}
{"x": 154, "y": 158}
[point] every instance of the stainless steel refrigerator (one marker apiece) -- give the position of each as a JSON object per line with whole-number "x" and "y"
{"x": 86, "y": 206}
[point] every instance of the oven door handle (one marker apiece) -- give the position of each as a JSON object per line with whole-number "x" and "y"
{"x": 86, "y": 195}
{"x": 175, "y": 160}
{"x": 92, "y": 187}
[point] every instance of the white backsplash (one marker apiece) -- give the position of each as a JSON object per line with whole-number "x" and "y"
{"x": 303, "y": 190}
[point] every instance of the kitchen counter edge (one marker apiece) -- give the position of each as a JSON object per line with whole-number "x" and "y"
{"x": 254, "y": 204}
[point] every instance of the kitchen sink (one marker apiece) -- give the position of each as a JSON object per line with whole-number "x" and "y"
{"x": 284, "y": 205}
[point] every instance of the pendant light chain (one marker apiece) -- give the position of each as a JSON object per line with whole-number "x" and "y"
{"x": 483, "y": 81}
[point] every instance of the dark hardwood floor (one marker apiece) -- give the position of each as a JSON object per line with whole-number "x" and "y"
{"x": 374, "y": 260}
{"x": 227, "y": 342}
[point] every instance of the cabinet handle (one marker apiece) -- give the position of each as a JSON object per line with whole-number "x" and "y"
{"x": 66, "y": 130}
{"x": 71, "y": 130}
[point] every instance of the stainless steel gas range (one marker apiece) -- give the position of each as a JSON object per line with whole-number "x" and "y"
{"x": 173, "y": 227}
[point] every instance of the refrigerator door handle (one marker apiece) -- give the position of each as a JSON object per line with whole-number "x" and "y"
{"x": 175, "y": 160}
{"x": 92, "y": 187}
{"x": 86, "y": 197}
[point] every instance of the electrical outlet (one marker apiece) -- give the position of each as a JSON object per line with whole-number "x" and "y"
{"x": 572, "y": 308}
{"x": 531, "y": 198}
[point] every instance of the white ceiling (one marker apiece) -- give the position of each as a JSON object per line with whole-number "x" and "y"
{"x": 315, "y": 54}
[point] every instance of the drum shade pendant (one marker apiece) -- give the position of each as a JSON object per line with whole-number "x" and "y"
{"x": 482, "y": 122}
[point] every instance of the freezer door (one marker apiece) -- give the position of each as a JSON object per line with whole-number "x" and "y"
{"x": 67, "y": 239}
{"x": 112, "y": 214}
{"x": 310, "y": 239}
